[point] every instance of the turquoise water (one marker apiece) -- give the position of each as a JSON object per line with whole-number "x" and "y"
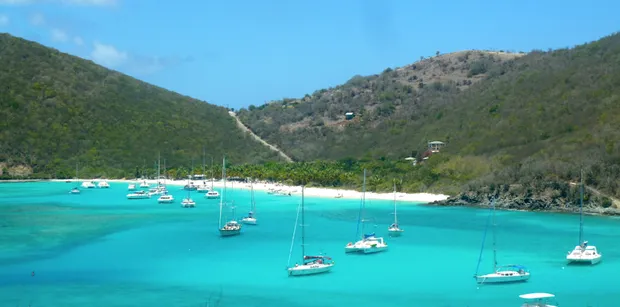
{"x": 100, "y": 249}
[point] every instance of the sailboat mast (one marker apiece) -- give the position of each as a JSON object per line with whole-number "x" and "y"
{"x": 204, "y": 157}
{"x": 165, "y": 172}
{"x": 581, "y": 210}
{"x": 222, "y": 196}
{"x": 212, "y": 178}
{"x": 494, "y": 238}
{"x": 253, "y": 204}
{"x": 158, "y": 167}
{"x": 395, "y": 214}
{"x": 303, "y": 225}
{"x": 363, "y": 202}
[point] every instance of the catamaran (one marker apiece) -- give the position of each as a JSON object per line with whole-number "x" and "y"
{"x": 232, "y": 227}
{"x": 251, "y": 218}
{"x": 394, "y": 230}
{"x": 310, "y": 265}
{"x": 88, "y": 184}
{"x": 501, "y": 274}
{"x": 188, "y": 202}
{"x": 538, "y": 300}
{"x": 103, "y": 184}
{"x": 583, "y": 253}
{"x": 369, "y": 243}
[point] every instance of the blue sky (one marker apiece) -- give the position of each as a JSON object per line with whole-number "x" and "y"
{"x": 236, "y": 53}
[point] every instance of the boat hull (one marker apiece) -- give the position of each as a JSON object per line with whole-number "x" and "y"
{"x": 583, "y": 259}
{"x": 168, "y": 201}
{"x": 229, "y": 232}
{"x": 503, "y": 277}
{"x": 305, "y": 270}
{"x": 374, "y": 249}
{"x": 248, "y": 221}
{"x": 395, "y": 232}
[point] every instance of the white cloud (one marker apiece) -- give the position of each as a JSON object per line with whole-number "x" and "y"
{"x": 4, "y": 20}
{"x": 75, "y": 2}
{"x": 37, "y": 19}
{"x": 108, "y": 55}
{"x": 78, "y": 41}
{"x": 59, "y": 35}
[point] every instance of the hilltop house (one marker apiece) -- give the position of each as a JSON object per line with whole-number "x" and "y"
{"x": 349, "y": 115}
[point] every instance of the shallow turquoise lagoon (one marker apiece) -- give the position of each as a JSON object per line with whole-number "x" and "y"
{"x": 100, "y": 249}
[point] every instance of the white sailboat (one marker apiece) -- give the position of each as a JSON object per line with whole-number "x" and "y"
{"x": 159, "y": 189}
{"x": 394, "y": 230}
{"x": 203, "y": 188}
{"x": 75, "y": 190}
{"x": 583, "y": 253}
{"x": 369, "y": 243}
{"x": 165, "y": 199}
{"x": 212, "y": 194}
{"x": 232, "y": 227}
{"x": 188, "y": 202}
{"x": 310, "y": 265}
{"x": 501, "y": 274}
{"x": 131, "y": 187}
{"x": 537, "y": 300}
{"x": 138, "y": 195}
{"x": 103, "y": 184}
{"x": 251, "y": 218}
{"x": 88, "y": 184}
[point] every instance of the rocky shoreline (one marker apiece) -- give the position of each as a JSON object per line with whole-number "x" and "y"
{"x": 536, "y": 202}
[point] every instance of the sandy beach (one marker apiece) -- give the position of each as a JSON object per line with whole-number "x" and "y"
{"x": 296, "y": 190}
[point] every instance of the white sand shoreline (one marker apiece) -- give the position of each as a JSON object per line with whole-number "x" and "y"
{"x": 296, "y": 190}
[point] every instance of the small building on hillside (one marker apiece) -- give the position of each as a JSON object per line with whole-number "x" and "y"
{"x": 198, "y": 177}
{"x": 435, "y": 146}
{"x": 349, "y": 115}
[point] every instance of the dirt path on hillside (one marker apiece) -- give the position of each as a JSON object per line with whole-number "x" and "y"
{"x": 256, "y": 137}
{"x": 614, "y": 201}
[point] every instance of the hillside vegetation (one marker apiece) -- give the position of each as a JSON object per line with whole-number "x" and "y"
{"x": 525, "y": 128}
{"x": 57, "y": 109}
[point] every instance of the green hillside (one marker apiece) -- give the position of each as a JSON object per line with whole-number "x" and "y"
{"x": 57, "y": 109}
{"x": 527, "y": 124}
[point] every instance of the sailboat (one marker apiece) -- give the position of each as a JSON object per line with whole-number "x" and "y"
{"x": 212, "y": 194}
{"x": 188, "y": 202}
{"x": 310, "y": 265}
{"x": 75, "y": 190}
{"x": 251, "y": 218}
{"x": 501, "y": 274}
{"x": 190, "y": 185}
{"x": 159, "y": 189}
{"x": 203, "y": 188}
{"x": 583, "y": 253}
{"x": 369, "y": 243}
{"x": 232, "y": 227}
{"x": 394, "y": 230}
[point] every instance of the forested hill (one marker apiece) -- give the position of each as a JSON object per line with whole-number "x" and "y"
{"x": 57, "y": 109}
{"x": 529, "y": 123}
